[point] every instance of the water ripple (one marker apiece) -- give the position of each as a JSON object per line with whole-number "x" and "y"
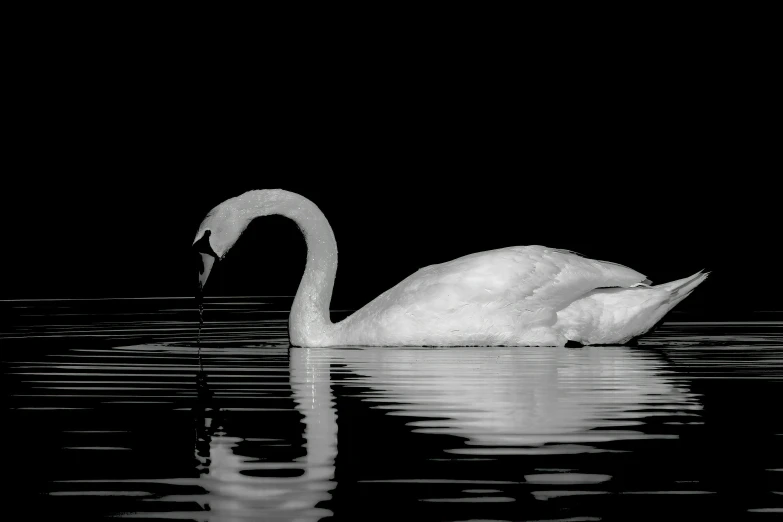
{"x": 106, "y": 412}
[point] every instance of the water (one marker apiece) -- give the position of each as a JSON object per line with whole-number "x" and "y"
{"x": 103, "y": 419}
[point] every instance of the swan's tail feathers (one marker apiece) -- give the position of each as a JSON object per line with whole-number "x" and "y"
{"x": 680, "y": 289}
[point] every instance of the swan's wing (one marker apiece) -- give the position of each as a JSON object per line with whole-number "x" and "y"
{"x": 536, "y": 275}
{"x": 488, "y": 297}
{"x": 526, "y": 278}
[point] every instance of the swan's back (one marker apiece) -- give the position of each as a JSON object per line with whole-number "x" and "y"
{"x": 485, "y": 298}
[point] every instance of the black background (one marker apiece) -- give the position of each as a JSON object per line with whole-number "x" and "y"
{"x": 653, "y": 147}
{"x": 662, "y": 159}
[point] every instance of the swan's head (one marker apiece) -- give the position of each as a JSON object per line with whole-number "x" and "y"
{"x": 217, "y": 234}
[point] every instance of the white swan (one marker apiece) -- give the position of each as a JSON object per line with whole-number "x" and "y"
{"x": 516, "y": 296}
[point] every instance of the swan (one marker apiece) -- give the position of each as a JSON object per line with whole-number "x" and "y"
{"x": 515, "y": 296}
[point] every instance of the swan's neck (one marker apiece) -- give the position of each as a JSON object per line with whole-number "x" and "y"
{"x": 309, "y": 322}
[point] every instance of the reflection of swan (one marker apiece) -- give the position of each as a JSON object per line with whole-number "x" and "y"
{"x": 511, "y": 296}
{"x": 511, "y": 397}
{"x": 234, "y": 494}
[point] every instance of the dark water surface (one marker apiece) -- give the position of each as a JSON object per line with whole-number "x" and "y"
{"x": 102, "y": 419}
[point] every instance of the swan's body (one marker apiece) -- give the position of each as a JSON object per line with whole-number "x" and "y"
{"x": 517, "y": 296}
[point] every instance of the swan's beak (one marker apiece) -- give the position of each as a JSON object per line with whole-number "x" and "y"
{"x": 207, "y": 259}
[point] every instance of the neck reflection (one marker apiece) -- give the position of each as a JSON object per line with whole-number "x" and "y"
{"x": 234, "y": 482}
